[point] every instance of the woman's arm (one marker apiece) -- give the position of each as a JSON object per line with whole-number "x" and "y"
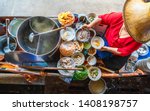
{"x": 92, "y": 24}
{"x": 111, "y": 49}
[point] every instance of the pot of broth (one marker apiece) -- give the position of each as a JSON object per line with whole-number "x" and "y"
{"x": 43, "y": 44}
{"x": 97, "y": 87}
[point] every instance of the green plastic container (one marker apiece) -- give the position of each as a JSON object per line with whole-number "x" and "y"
{"x": 81, "y": 74}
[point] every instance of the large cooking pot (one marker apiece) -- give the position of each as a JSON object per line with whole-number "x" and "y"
{"x": 45, "y": 44}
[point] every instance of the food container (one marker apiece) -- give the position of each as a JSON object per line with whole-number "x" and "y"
{"x": 14, "y": 25}
{"x": 66, "y": 18}
{"x": 91, "y": 17}
{"x": 143, "y": 50}
{"x": 46, "y": 45}
{"x": 67, "y": 48}
{"x": 97, "y": 87}
{"x": 87, "y": 45}
{"x": 66, "y": 62}
{"x": 78, "y": 46}
{"x": 83, "y": 35}
{"x": 94, "y": 73}
{"x": 92, "y": 51}
{"x": 144, "y": 65}
{"x": 91, "y": 60}
{"x": 78, "y": 58}
{"x": 97, "y": 42}
{"x": 81, "y": 74}
{"x": 82, "y": 18}
{"x": 67, "y": 34}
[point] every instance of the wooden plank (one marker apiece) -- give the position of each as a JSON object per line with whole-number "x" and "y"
{"x": 10, "y": 78}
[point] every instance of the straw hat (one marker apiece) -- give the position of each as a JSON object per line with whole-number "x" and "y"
{"x": 137, "y": 19}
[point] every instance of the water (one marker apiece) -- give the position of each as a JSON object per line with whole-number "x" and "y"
{"x": 40, "y": 24}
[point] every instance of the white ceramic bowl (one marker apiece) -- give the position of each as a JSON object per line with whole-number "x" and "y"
{"x": 97, "y": 42}
{"x": 83, "y": 35}
{"x": 78, "y": 58}
{"x": 67, "y": 34}
{"x": 94, "y": 77}
{"x": 91, "y": 60}
{"x": 66, "y": 72}
{"x": 91, "y": 17}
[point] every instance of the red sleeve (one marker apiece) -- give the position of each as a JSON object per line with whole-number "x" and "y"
{"x": 125, "y": 51}
{"x": 109, "y": 18}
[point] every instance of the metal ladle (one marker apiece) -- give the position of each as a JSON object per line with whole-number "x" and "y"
{"x": 7, "y": 48}
{"x": 32, "y": 35}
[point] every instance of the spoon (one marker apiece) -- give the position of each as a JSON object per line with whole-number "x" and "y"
{"x": 32, "y": 35}
{"x": 7, "y": 48}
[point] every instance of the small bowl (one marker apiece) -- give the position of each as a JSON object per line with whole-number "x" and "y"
{"x": 94, "y": 73}
{"x": 67, "y": 48}
{"x": 78, "y": 58}
{"x": 97, "y": 42}
{"x": 78, "y": 46}
{"x": 92, "y": 51}
{"x": 83, "y": 35}
{"x": 81, "y": 74}
{"x": 143, "y": 50}
{"x": 62, "y": 63}
{"x": 67, "y": 34}
{"x": 82, "y": 18}
{"x": 91, "y": 17}
{"x": 87, "y": 45}
{"x": 91, "y": 60}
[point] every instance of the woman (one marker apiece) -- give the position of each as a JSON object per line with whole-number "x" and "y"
{"x": 120, "y": 43}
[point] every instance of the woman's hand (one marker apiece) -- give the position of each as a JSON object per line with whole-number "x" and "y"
{"x": 92, "y": 24}
{"x": 86, "y": 26}
{"x": 104, "y": 48}
{"x": 110, "y": 49}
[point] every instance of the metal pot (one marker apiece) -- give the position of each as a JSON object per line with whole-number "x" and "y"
{"x": 97, "y": 87}
{"x": 14, "y": 25}
{"x": 45, "y": 44}
{"x": 3, "y": 44}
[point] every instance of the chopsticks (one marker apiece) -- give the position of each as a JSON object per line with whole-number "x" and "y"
{"x": 106, "y": 69}
{"x": 48, "y": 68}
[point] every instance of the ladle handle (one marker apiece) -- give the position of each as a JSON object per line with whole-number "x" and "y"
{"x": 57, "y": 29}
{"x": 50, "y": 31}
{"x": 7, "y": 23}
